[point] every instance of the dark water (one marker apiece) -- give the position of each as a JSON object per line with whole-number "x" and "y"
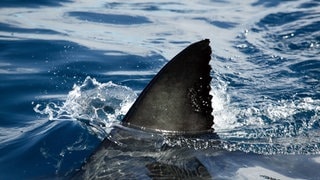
{"x": 57, "y": 59}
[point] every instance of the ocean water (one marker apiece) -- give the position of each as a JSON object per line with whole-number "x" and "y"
{"x": 69, "y": 70}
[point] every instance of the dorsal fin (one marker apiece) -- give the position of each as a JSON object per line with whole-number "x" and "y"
{"x": 177, "y": 99}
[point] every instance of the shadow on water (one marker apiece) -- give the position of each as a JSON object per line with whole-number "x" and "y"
{"x": 12, "y": 29}
{"x": 272, "y": 3}
{"x": 116, "y": 19}
{"x": 31, "y": 4}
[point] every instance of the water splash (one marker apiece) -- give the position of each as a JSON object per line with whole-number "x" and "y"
{"x": 266, "y": 126}
{"x": 269, "y": 127}
{"x": 98, "y": 105}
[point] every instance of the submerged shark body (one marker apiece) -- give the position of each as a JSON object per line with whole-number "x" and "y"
{"x": 176, "y": 104}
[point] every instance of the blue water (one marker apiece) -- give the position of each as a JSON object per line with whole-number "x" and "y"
{"x": 62, "y": 61}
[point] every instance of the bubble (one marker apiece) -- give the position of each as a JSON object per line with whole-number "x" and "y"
{"x": 98, "y": 105}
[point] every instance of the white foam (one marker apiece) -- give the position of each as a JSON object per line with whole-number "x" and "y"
{"x": 99, "y": 104}
{"x": 258, "y": 173}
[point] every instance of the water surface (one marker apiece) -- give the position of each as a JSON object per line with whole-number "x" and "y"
{"x": 61, "y": 62}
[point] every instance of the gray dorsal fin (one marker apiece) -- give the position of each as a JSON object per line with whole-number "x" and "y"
{"x": 177, "y": 99}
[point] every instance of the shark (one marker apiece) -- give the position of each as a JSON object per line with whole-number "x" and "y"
{"x": 174, "y": 106}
